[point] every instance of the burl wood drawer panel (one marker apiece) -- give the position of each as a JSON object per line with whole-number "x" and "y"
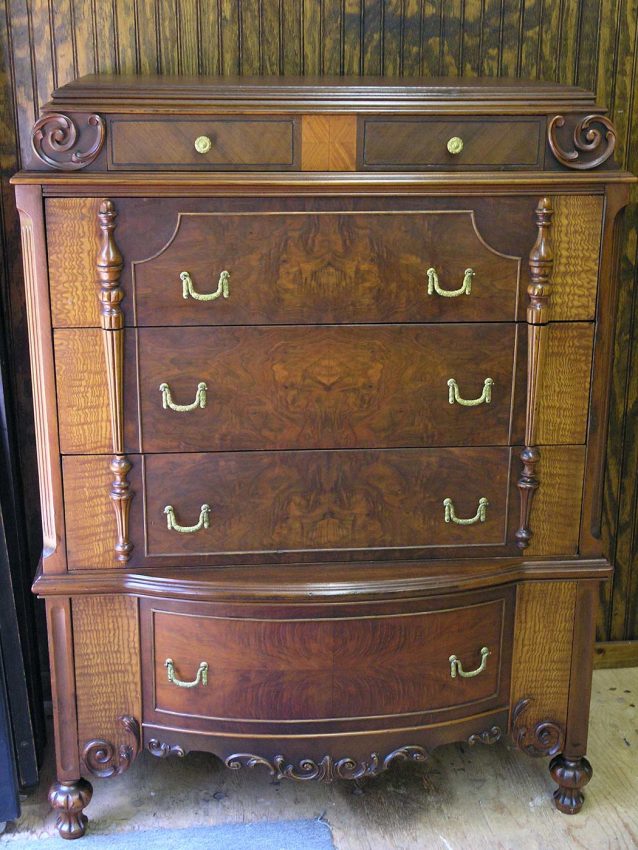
{"x": 504, "y": 224}
{"x": 319, "y": 500}
{"x": 294, "y": 668}
{"x": 421, "y": 143}
{"x": 233, "y": 144}
{"x": 325, "y": 268}
{"x": 91, "y": 529}
{"x": 327, "y": 387}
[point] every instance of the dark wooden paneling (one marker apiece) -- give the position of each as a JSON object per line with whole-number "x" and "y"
{"x": 591, "y": 43}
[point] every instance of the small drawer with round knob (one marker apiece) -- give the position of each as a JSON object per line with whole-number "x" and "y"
{"x": 480, "y": 143}
{"x": 205, "y": 144}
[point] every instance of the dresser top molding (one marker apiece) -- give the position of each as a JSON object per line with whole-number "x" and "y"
{"x": 315, "y": 135}
{"x": 110, "y": 93}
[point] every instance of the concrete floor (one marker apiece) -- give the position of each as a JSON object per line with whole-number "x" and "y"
{"x": 463, "y": 799}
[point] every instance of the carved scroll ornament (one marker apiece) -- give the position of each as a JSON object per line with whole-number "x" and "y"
{"x": 55, "y": 140}
{"x": 545, "y": 738}
{"x": 592, "y": 146}
{"x": 327, "y": 769}
{"x": 102, "y": 759}
{"x": 161, "y": 750}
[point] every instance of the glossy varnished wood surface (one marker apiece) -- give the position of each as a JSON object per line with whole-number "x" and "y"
{"x": 297, "y": 668}
{"x": 388, "y": 144}
{"x": 327, "y": 387}
{"x": 260, "y": 144}
{"x": 325, "y": 268}
{"x": 467, "y": 39}
{"x": 332, "y": 500}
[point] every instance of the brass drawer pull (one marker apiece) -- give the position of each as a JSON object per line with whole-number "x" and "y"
{"x": 167, "y": 399}
{"x": 455, "y": 145}
{"x": 202, "y": 675}
{"x": 481, "y": 513}
{"x": 173, "y": 525}
{"x": 456, "y": 668}
{"x": 223, "y": 288}
{"x": 203, "y": 144}
{"x": 485, "y": 397}
{"x": 433, "y": 284}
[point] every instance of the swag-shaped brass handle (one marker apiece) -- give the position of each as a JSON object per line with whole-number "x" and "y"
{"x": 433, "y": 284}
{"x": 222, "y": 291}
{"x": 173, "y": 525}
{"x": 485, "y": 397}
{"x": 480, "y": 515}
{"x": 167, "y": 399}
{"x": 202, "y": 675}
{"x": 456, "y": 668}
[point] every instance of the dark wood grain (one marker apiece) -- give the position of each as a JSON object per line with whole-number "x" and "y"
{"x": 150, "y": 144}
{"x": 364, "y": 499}
{"x": 300, "y": 670}
{"x": 410, "y": 143}
{"x": 325, "y": 269}
{"x": 328, "y": 387}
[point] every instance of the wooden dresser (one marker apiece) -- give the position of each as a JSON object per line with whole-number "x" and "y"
{"x": 321, "y": 375}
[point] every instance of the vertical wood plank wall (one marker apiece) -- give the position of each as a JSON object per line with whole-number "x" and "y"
{"x": 592, "y": 43}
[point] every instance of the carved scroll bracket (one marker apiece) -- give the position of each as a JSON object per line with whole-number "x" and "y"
{"x": 328, "y": 769}
{"x": 591, "y": 145}
{"x": 102, "y": 759}
{"x": 545, "y": 738}
{"x": 109, "y": 269}
{"x": 56, "y": 140}
{"x": 541, "y": 262}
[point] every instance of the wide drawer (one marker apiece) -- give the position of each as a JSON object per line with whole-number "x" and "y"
{"x": 208, "y": 144}
{"x": 290, "y": 666}
{"x": 325, "y": 268}
{"x": 211, "y": 389}
{"x": 422, "y": 143}
{"x": 295, "y": 501}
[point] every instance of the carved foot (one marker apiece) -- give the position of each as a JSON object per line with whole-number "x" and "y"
{"x": 69, "y": 799}
{"x": 570, "y": 775}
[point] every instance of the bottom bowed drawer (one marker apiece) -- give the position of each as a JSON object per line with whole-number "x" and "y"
{"x": 214, "y": 669}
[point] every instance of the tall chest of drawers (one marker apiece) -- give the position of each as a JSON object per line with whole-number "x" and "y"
{"x": 321, "y": 378}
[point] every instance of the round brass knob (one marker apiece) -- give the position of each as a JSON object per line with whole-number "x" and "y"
{"x": 455, "y": 145}
{"x": 203, "y": 144}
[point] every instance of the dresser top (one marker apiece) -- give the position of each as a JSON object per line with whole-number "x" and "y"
{"x": 131, "y": 93}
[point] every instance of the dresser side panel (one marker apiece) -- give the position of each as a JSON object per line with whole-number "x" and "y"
{"x": 541, "y": 662}
{"x": 107, "y": 667}
{"x": 564, "y": 400}
{"x": 83, "y": 400}
{"x": 555, "y": 519}
{"x": 576, "y": 235}
{"x": 72, "y": 242}
{"x": 91, "y": 530}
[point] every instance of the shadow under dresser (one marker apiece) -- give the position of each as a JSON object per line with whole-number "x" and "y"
{"x": 321, "y": 375}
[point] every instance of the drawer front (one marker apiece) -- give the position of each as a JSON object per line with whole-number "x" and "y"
{"x": 325, "y": 268}
{"x": 228, "y": 144}
{"x": 322, "y": 667}
{"x": 321, "y": 500}
{"x": 211, "y": 389}
{"x": 423, "y": 143}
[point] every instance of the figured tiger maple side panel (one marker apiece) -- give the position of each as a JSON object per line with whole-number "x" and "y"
{"x": 576, "y": 235}
{"x": 555, "y": 515}
{"x": 90, "y": 518}
{"x": 72, "y": 245}
{"x": 541, "y": 663}
{"x": 107, "y": 667}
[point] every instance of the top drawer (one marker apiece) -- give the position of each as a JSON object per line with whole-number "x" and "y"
{"x": 422, "y": 143}
{"x": 209, "y": 144}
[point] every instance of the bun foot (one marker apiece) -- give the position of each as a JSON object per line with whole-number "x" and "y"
{"x": 69, "y": 799}
{"x": 570, "y": 775}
